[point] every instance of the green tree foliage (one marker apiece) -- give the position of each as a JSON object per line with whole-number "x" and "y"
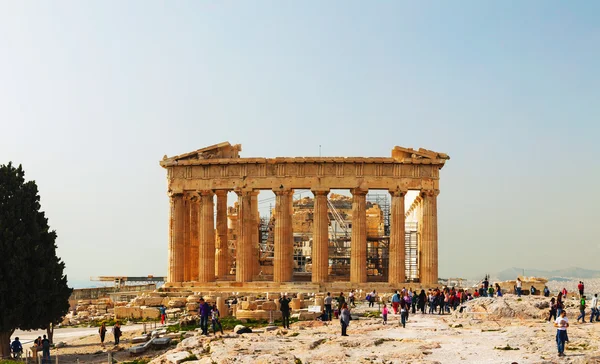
{"x": 33, "y": 289}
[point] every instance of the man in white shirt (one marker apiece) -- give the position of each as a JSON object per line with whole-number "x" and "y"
{"x": 561, "y": 323}
{"x": 594, "y": 307}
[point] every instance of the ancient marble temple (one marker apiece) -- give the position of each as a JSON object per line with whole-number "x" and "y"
{"x": 199, "y": 180}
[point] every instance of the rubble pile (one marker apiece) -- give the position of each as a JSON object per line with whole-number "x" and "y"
{"x": 90, "y": 310}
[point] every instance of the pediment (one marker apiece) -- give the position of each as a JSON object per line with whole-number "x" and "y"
{"x": 401, "y": 153}
{"x": 216, "y": 151}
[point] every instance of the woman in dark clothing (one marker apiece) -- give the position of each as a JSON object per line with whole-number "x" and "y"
{"x": 404, "y": 307}
{"x": 422, "y": 301}
{"x": 344, "y": 318}
{"x": 559, "y": 304}
{"x": 102, "y": 332}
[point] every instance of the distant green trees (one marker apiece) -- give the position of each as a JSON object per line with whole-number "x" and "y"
{"x": 33, "y": 288}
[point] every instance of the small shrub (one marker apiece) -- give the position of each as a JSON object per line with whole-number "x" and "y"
{"x": 190, "y": 358}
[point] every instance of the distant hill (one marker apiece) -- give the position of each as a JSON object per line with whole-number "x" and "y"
{"x": 573, "y": 272}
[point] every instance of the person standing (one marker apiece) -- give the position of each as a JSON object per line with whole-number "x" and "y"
{"x": 344, "y": 318}
{"x": 594, "y": 308}
{"x": 117, "y": 333}
{"x": 559, "y": 303}
{"x": 561, "y": 324}
{"x": 45, "y": 350}
{"x": 284, "y": 306}
{"x": 163, "y": 314}
{"x": 351, "y": 298}
{"x": 486, "y": 285}
{"x": 372, "y": 296}
{"x": 552, "y": 316}
{"x": 580, "y": 288}
{"x": 422, "y": 301}
{"x": 395, "y": 302}
{"x": 215, "y": 314}
{"x": 327, "y": 302}
{"x": 581, "y": 310}
{"x": 519, "y": 287}
{"x": 403, "y": 312}
{"x": 384, "y": 313}
{"x": 204, "y": 311}
{"x": 341, "y": 300}
{"x": 102, "y": 332}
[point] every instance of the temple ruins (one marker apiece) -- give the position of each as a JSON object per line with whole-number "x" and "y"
{"x": 322, "y": 238}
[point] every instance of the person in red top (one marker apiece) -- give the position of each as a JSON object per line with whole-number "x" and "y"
{"x": 475, "y": 294}
{"x": 580, "y": 288}
{"x": 564, "y": 292}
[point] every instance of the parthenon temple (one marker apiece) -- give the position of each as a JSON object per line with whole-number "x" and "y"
{"x": 344, "y": 228}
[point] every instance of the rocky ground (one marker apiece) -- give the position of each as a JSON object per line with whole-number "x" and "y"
{"x": 489, "y": 330}
{"x": 498, "y": 330}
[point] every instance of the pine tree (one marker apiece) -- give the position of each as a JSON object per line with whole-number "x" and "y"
{"x": 33, "y": 288}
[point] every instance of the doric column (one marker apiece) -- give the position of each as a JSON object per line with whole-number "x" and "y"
{"x": 429, "y": 238}
{"x": 222, "y": 250}
{"x": 255, "y": 234}
{"x": 358, "y": 244}
{"x": 187, "y": 248}
{"x": 320, "y": 247}
{"x": 243, "y": 249}
{"x": 176, "y": 238}
{"x": 397, "y": 264}
{"x": 206, "y": 249}
{"x": 283, "y": 260}
{"x": 192, "y": 259}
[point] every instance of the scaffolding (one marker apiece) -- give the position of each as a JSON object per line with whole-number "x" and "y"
{"x": 340, "y": 227}
{"x": 412, "y": 251}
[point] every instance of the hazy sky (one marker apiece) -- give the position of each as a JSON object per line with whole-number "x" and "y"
{"x": 94, "y": 93}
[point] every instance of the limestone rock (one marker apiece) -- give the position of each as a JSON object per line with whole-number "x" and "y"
{"x": 192, "y": 306}
{"x": 269, "y": 306}
{"x": 249, "y": 305}
{"x": 177, "y": 357}
{"x": 177, "y": 302}
{"x": 193, "y": 298}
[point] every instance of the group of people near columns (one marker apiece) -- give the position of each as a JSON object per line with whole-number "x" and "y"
{"x": 206, "y": 311}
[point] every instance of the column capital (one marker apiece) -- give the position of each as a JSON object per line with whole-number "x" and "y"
{"x": 429, "y": 192}
{"x": 320, "y": 191}
{"x": 397, "y": 192}
{"x": 175, "y": 193}
{"x": 243, "y": 191}
{"x": 283, "y": 191}
{"x": 206, "y": 193}
{"x": 359, "y": 191}
{"x": 221, "y": 192}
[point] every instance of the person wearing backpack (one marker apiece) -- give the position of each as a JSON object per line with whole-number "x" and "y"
{"x": 117, "y": 332}
{"x": 403, "y": 312}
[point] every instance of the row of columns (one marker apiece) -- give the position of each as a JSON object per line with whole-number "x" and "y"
{"x": 196, "y": 254}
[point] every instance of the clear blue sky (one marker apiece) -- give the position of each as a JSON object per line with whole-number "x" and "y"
{"x": 94, "y": 93}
